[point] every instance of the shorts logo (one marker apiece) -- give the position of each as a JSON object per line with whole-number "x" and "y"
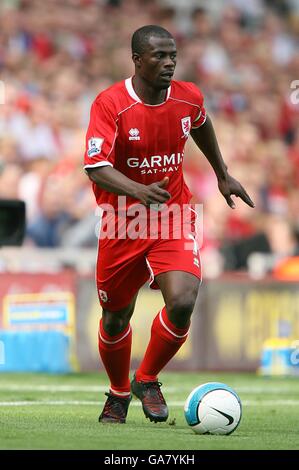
{"x": 103, "y": 295}
{"x": 134, "y": 134}
{"x": 186, "y": 125}
{"x": 94, "y": 146}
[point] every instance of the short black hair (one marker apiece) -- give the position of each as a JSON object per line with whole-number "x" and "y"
{"x": 142, "y": 35}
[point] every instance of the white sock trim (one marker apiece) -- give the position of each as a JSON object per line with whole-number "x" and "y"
{"x": 120, "y": 394}
{"x": 169, "y": 330}
{"x": 116, "y": 341}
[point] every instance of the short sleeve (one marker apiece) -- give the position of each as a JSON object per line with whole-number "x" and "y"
{"x": 101, "y": 135}
{"x": 201, "y": 115}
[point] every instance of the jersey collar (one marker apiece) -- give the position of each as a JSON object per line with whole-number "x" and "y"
{"x": 131, "y": 91}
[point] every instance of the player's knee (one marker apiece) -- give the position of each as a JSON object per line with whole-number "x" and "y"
{"x": 114, "y": 323}
{"x": 180, "y": 307}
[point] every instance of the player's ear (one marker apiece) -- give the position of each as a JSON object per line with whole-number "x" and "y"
{"x": 136, "y": 59}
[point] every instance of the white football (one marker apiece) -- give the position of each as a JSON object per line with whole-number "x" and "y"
{"x": 213, "y": 408}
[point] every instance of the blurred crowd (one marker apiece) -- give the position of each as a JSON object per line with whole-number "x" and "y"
{"x": 56, "y": 56}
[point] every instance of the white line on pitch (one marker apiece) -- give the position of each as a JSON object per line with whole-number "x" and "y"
{"x": 53, "y": 388}
{"x": 137, "y": 403}
{"x": 103, "y": 388}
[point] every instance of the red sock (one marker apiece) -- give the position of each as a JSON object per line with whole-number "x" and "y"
{"x": 165, "y": 341}
{"x": 115, "y": 352}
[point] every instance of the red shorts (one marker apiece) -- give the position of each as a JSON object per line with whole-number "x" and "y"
{"x": 124, "y": 265}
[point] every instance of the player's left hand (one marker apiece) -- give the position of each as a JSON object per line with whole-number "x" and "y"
{"x": 230, "y": 186}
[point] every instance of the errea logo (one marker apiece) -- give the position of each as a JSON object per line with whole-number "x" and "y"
{"x": 134, "y": 134}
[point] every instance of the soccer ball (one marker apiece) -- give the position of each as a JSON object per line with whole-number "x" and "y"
{"x": 213, "y": 408}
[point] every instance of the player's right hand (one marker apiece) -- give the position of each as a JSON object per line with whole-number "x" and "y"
{"x": 154, "y": 193}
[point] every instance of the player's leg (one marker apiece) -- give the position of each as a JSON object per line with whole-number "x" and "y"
{"x": 121, "y": 271}
{"x": 175, "y": 269}
{"x": 116, "y": 322}
{"x": 115, "y": 340}
{"x": 179, "y": 290}
{"x": 170, "y": 327}
{"x": 169, "y": 332}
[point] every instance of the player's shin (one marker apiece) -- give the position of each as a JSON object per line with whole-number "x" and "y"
{"x": 115, "y": 352}
{"x": 166, "y": 339}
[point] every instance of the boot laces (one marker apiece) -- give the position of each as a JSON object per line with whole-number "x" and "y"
{"x": 153, "y": 392}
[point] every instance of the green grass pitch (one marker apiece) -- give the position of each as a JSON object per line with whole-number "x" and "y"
{"x": 61, "y": 412}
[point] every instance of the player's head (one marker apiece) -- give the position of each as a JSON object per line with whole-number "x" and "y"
{"x": 154, "y": 55}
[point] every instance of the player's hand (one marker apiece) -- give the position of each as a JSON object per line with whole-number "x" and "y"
{"x": 154, "y": 193}
{"x": 230, "y": 186}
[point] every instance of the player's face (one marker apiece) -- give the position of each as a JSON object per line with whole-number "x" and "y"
{"x": 156, "y": 65}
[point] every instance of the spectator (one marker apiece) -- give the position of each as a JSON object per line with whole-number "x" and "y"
{"x": 55, "y": 57}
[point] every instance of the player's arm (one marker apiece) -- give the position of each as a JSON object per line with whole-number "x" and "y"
{"x": 205, "y": 139}
{"x": 112, "y": 180}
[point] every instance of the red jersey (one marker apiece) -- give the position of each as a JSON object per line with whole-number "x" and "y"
{"x": 144, "y": 142}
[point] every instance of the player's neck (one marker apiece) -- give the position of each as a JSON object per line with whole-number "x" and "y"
{"x": 146, "y": 93}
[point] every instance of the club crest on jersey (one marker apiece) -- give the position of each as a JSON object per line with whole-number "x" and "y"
{"x": 186, "y": 125}
{"x": 94, "y": 146}
{"x": 134, "y": 134}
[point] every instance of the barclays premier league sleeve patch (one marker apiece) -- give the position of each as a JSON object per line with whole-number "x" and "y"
{"x": 94, "y": 146}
